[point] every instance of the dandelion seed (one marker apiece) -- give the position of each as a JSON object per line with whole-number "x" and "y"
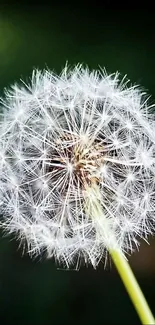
{"x": 77, "y": 162}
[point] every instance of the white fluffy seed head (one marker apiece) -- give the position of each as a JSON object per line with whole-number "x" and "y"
{"x": 77, "y": 164}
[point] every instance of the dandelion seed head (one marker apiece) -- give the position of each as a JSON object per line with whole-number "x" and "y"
{"x": 77, "y": 164}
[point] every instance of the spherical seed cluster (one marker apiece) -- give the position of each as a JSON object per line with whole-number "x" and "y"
{"x": 77, "y": 164}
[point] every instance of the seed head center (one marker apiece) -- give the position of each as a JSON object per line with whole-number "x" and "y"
{"x": 83, "y": 159}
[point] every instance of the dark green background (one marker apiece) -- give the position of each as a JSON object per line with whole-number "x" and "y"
{"x": 123, "y": 39}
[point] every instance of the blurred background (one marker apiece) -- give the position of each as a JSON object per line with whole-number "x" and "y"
{"x": 40, "y": 36}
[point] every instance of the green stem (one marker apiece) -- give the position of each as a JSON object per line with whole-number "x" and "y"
{"x": 132, "y": 287}
{"x": 104, "y": 227}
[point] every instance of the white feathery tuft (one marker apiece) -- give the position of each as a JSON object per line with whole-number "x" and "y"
{"x": 77, "y": 164}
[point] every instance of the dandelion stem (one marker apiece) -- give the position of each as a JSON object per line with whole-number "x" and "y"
{"x": 94, "y": 209}
{"x": 132, "y": 287}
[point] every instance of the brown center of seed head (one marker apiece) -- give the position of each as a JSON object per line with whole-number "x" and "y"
{"x": 85, "y": 157}
{"x": 87, "y": 162}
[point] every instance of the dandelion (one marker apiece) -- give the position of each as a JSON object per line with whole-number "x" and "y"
{"x": 77, "y": 167}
